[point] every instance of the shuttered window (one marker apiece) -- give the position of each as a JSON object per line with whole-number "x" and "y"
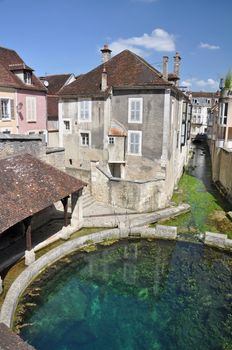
{"x": 85, "y": 110}
{"x": 31, "y": 109}
{"x": 134, "y": 142}
{"x": 135, "y": 110}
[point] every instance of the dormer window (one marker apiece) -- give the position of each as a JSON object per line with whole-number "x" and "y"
{"x": 27, "y": 77}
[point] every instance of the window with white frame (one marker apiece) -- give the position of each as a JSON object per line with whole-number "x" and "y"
{"x": 85, "y": 138}
{"x": 31, "y": 108}
{"x": 134, "y": 142}
{"x": 85, "y": 110}
{"x": 135, "y": 110}
{"x": 67, "y": 126}
{"x": 27, "y": 78}
{"x": 5, "y": 108}
{"x": 111, "y": 140}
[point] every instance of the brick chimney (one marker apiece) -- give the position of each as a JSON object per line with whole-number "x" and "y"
{"x": 106, "y": 53}
{"x": 165, "y": 67}
{"x": 177, "y": 60}
{"x": 104, "y": 79}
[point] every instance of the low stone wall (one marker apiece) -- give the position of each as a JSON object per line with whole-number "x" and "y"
{"x": 25, "y": 278}
{"x": 56, "y": 157}
{"x": 218, "y": 240}
{"x": 11, "y": 145}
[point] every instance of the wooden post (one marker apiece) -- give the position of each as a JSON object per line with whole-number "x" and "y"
{"x": 65, "y": 204}
{"x": 27, "y": 224}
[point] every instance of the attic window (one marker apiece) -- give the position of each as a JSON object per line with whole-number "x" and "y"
{"x": 27, "y": 77}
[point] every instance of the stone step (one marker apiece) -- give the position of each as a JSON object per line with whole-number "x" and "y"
{"x": 87, "y": 200}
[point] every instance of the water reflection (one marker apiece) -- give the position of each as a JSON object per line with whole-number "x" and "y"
{"x": 132, "y": 296}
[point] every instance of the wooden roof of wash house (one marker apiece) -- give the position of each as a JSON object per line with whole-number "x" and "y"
{"x": 11, "y": 341}
{"x": 29, "y": 185}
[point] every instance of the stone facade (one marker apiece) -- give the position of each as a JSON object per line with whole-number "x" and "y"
{"x": 220, "y": 143}
{"x": 133, "y": 140}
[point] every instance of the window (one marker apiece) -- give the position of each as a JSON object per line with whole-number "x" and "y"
{"x": 85, "y": 110}
{"x": 134, "y": 142}
{"x": 85, "y": 138}
{"x": 5, "y": 108}
{"x": 135, "y": 110}
{"x": 5, "y": 130}
{"x": 31, "y": 108}
{"x": 27, "y": 78}
{"x": 67, "y": 126}
{"x": 111, "y": 140}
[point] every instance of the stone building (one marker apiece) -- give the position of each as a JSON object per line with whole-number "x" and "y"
{"x": 23, "y": 108}
{"x": 202, "y": 103}
{"x": 125, "y": 129}
{"x": 54, "y": 84}
{"x": 220, "y": 143}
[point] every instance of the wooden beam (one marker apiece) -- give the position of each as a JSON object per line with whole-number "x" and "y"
{"x": 65, "y": 204}
{"x": 27, "y": 224}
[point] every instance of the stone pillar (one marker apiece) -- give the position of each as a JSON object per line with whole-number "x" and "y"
{"x": 29, "y": 257}
{"x": 77, "y": 210}
{"x": 1, "y": 286}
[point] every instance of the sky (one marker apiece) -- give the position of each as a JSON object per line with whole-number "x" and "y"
{"x": 65, "y": 36}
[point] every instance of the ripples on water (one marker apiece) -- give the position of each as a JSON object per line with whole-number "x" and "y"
{"x": 133, "y": 295}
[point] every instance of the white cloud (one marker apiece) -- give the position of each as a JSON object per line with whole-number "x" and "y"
{"x": 209, "y": 46}
{"x": 158, "y": 40}
{"x": 195, "y": 83}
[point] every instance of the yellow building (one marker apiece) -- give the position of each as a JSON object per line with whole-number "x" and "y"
{"x": 8, "y": 102}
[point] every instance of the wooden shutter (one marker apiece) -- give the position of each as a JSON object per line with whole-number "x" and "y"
{"x": 12, "y": 111}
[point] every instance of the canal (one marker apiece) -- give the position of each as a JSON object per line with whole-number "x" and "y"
{"x": 208, "y": 206}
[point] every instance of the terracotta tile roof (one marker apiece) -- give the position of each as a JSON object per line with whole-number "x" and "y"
{"x": 117, "y": 132}
{"x": 56, "y": 82}
{"x": 7, "y": 79}
{"x": 29, "y": 185}
{"x": 11, "y": 341}
{"x": 205, "y": 94}
{"x": 125, "y": 69}
{"x": 19, "y": 66}
{"x": 10, "y": 59}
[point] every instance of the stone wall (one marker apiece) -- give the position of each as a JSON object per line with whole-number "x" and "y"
{"x": 19, "y": 144}
{"x": 142, "y": 196}
{"x": 11, "y": 145}
{"x": 221, "y": 170}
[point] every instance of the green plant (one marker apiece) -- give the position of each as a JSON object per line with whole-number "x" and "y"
{"x": 228, "y": 81}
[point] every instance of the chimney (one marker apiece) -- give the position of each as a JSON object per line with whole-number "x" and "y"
{"x": 104, "y": 79}
{"x": 177, "y": 60}
{"x": 106, "y": 53}
{"x": 165, "y": 67}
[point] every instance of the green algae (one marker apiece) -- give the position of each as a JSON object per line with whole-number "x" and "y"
{"x": 206, "y": 213}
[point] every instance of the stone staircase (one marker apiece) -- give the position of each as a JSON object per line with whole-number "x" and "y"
{"x": 87, "y": 200}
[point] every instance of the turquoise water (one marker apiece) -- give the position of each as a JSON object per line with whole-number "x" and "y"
{"x": 133, "y": 295}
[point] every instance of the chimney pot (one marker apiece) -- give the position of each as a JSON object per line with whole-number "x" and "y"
{"x": 106, "y": 53}
{"x": 165, "y": 67}
{"x": 177, "y": 60}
